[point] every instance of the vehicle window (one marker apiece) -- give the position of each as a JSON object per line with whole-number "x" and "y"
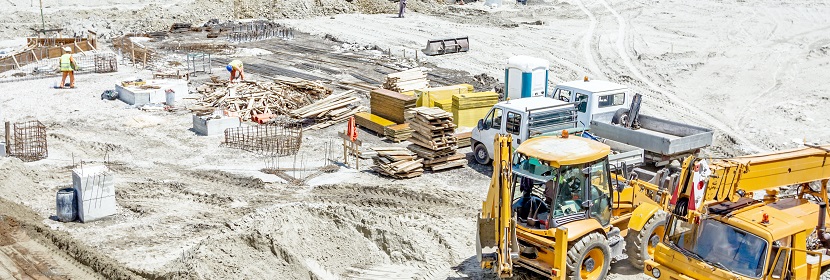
{"x": 493, "y": 120}
{"x": 514, "y": 123}
{"x": 721, "y": 245}
{"x": 571, "y": 191}
{"x": 582, "y": 98}
{"x": 611, "y": 100}
{"x": 777, "y": 271}
{"x": 563, "y": 94}
{"x": 600, "y": 193}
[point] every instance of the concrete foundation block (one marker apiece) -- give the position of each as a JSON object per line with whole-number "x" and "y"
{"x": 210, "y": 127}
{"x": 136, "y": 96}
{"x": 2, "y": 149}
{"x": 95, "y": 192}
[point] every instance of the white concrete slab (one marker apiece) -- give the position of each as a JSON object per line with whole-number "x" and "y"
{"x": 134, "y": 95}
{"x": 210, "y": 127}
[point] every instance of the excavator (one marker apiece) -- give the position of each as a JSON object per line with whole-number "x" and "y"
{"x": 557, "y": 207}
{"x": 749, "y": 217}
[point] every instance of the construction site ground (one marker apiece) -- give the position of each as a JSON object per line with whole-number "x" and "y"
{"x": 191, "y": 209}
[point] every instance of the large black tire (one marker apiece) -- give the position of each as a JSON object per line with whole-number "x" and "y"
{"x": 480, "y": 154}
{"x": 639, "y": 245}
{"x": 589, "y": 258}
{"x": 620, "y": 116}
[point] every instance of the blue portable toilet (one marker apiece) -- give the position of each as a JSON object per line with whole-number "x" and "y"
{"x": 526, "y": 76}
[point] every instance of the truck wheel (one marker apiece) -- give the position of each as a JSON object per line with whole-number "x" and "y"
{"x": 589, "y": 258}
{"x": 639, "y": 245}
{"x": 620, "y": 117}
{"x": 480, "y": 154}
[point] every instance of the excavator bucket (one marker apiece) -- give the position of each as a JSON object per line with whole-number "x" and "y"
{"x": 445, "y": 46}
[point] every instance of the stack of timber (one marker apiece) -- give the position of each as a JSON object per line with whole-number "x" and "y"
{"x": 398, "y": 133}
{"x": 468, "y": 108}
{"x": 298, "y": 99}
{"x": 464, "y": 139}
{"x": 372, "y": 122}
{"x": 330, "y": 110}
{"x": 408, "y": 80}
{"x": 434, "y": 138}
{"x": 390, "y": 105}
{"x": 397, "y": 162}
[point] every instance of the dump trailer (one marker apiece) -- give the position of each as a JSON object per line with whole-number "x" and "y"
{"x": 558, "y": 207}
{"x": 717, "y": 229}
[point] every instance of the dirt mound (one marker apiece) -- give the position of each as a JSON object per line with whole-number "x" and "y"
{"x": 340, "y": 231}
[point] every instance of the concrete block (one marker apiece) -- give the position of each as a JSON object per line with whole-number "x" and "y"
{"x": 95, "y": 192}
{"x": 2, "y": 149}
{"x": 210, "y": 127}
{"x": 136, "y": 96}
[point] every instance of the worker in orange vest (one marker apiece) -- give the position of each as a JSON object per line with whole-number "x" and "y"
{"x": 67, "y": 67}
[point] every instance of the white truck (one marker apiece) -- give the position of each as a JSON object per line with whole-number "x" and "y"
{"x": 600, "y": 107}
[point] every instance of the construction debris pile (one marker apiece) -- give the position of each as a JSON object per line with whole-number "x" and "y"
{"x": 434, "y": 138}
{"x": 397, "y": 162}
{"x": 406, "y": 81}
{"x": 261, "y": 101}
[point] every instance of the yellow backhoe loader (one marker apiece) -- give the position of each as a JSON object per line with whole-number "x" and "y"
{"x": 720, "y": 227}
{"x": 558, "y": 208}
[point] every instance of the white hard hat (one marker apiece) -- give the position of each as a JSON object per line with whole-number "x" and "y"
{"x": 67, "y": 49}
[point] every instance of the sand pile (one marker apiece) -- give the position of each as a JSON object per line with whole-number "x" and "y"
{"x": 339, "y": 231}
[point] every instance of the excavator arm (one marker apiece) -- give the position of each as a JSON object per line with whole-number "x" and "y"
{"x": 496, "y": 224}
{"x": 732, "y": 178}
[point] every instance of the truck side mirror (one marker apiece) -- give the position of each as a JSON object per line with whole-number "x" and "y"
{"x": 587, "y": 204}
{"x": 481, "y": 124}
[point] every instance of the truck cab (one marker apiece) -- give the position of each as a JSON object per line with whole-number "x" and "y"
{"x": 593, "y": 98}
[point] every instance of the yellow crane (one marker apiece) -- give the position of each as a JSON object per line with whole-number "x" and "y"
{"x": 556, "y": 208}
{"x": 719, "y": 230}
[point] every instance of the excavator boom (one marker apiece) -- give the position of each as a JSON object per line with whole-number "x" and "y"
{"x": 496, "y": 225}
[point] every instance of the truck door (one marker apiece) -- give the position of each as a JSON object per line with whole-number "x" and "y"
{"x": 583, "y": 114}
{"x": 493, "y": 124}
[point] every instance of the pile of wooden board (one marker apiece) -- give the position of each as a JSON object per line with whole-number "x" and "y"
{"x": 330, "y": 110}
{"x": 408, "y": 80}
{"x": 397, "y": 162}
{"x": 398, "y": 132}
{"x": 372, "y": 122}
{"x": 441, "y": 96}
{"x": 468, "y": 108}
{"x": 296, "y": 98}
{"x": 390, "y": 105}
{"x": 434, "y": 138}
{"x": 464, "y": 139}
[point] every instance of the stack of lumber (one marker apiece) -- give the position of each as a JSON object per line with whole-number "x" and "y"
{"x": 408, "y": 80}
{"x": 468, "y": 108}
{"x": 296, "y": 98}
{"x": 372, "y": 122}
{"x": 428, "y": 97}
{"x": 464, "y": 139}
{"x": 434, "y": 138}
{"x": 390, "y": 105}
{"x": 398, "y": 133}
{"x": 397, "y": 162}
{"x": 330, "y": 110}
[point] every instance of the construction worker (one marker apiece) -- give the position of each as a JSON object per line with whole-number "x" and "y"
{"x": 401, "y": 8}
{"x": 67, "y": 67}
{"x": 236, "y": 67}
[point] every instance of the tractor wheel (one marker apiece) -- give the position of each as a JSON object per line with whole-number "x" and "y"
{"x": 620, "y": 117}
{"x": 480, "y": 154}
{"x": 640, "y": 245}
{"x": 589, "y": 258}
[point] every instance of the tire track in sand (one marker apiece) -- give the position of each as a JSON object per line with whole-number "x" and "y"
{"x": 702, "y": 116}
{"x": 586, "y": 41}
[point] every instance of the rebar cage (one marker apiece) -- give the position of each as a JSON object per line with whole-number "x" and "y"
{"x": 29, "y": 142}
{"x": 272, "y": 139}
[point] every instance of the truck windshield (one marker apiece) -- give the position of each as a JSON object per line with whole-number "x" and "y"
{"x": 720, "y": 245}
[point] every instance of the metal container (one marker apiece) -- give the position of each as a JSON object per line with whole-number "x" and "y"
{"x": 66, "y": 206}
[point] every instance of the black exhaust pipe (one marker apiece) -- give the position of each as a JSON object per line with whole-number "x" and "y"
{"x": 823, "y": 236}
